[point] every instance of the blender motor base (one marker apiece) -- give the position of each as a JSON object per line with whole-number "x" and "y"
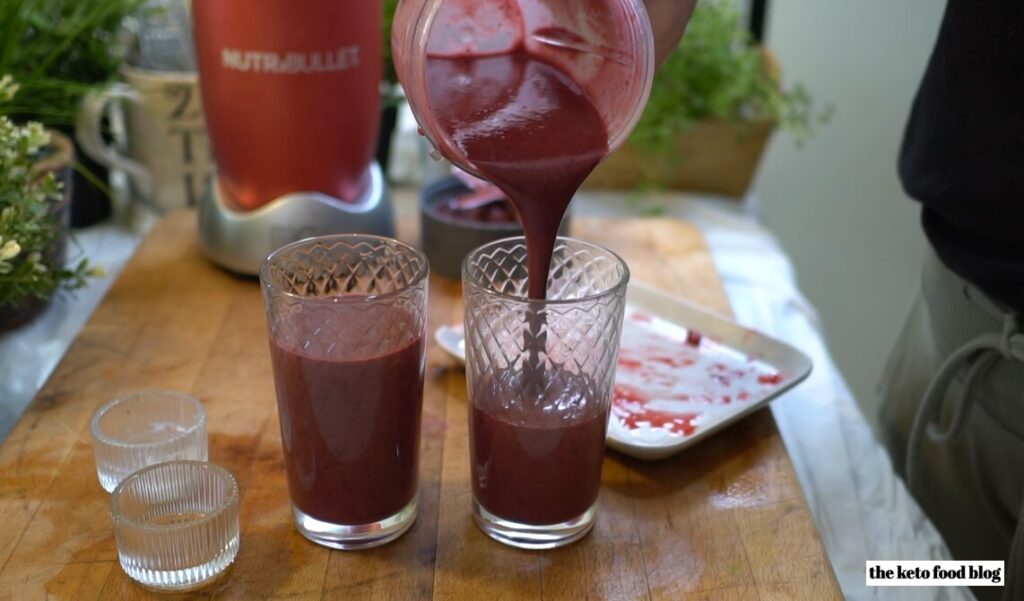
{"x": 240, "y": 240}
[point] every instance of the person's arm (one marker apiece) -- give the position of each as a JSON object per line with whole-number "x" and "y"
{"x": 668, "y": 18}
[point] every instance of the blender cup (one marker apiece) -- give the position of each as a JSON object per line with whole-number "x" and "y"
{"x": 605, "y": 46}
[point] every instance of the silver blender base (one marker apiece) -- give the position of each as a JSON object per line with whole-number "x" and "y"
{"x": 240, "y": 240}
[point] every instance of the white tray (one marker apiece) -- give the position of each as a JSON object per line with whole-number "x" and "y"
{"x": 737, "y": 371}
{"x": 673, "y": 392}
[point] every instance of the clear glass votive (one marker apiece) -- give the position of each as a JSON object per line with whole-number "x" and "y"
{"x": 144, "y": 428}
{"x": 540, "y": 377}
{"x": 176, "y": 524}
{"x": 346, "y": 317}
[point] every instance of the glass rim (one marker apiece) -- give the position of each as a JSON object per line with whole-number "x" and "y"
{"x": 100, "y": 436}
{"x": 222, "y": 506}
{"x": 612, "y": 290}
{"x": 415, "y": 281}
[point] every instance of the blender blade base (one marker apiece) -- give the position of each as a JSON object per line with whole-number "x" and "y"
{"x": 239, "y": 241}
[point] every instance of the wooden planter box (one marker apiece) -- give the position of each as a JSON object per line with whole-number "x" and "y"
{"x": 713, "y": 156}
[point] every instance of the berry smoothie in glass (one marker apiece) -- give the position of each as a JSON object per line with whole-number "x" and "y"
{"x": 346, "y": 317}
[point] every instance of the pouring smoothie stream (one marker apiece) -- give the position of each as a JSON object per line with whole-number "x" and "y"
{"x": 528, "y": 94}
{"x": 532, "y": 95}
{"x": 528, "y": 128}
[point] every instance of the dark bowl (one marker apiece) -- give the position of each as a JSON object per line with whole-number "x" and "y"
{"x": 447, "y": 240}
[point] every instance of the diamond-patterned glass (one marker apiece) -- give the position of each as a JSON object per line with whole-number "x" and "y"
{"x": 347, "y": 317}
{"x": 353, "y": 287}
{"x": 574, "y": 334}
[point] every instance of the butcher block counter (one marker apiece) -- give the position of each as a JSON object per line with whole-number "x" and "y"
{"x": 725, "y": 520}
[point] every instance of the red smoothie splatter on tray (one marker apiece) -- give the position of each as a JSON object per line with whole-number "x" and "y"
{"x": 631, "y": 409}
{"x": 664, "y": 388}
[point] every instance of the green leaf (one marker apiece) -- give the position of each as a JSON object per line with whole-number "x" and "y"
{"x": 27, "y": 218}
{"x": 718, "y": 73}
{"x": 58, "y": 50}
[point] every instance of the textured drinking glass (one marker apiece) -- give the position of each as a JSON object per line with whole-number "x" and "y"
{"x": 346, "y": 317}
{"x": 144, "y": 428}
{"x": 176, "y": 524}
{"x": 540, "y": 377}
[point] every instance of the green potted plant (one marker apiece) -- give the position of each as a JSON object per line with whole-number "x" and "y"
{"x": 58, "y": 50}
{"x": 33, "y": 217}
{"x": 714, "y": 105}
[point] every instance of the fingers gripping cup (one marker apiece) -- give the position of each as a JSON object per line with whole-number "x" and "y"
{"x": 540, "y": 377}
{"x": 346, "y": 318}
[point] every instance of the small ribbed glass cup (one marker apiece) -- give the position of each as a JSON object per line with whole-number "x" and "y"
{"x": 144, "y": 428}
{"x": 540, "y": 377}
{"x": 346, "y": 316}
{"x": 176, "y": 524}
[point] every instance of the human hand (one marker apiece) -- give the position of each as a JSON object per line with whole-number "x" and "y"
{"x": 668, "y": 19}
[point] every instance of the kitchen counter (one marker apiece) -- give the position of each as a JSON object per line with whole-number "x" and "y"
{"x": 726, "y": 518}
{"x": 861, "y": 510}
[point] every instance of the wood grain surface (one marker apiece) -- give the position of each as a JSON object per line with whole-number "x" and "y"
{"x": 725, "y": 520}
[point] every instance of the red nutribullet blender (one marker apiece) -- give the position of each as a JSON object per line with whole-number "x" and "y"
{"x": 291, "y": 94}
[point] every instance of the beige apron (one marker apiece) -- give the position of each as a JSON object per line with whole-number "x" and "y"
{"x": 952, "y": 418}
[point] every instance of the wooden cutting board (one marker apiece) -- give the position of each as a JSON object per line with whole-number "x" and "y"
{"x": 725, "y": 520}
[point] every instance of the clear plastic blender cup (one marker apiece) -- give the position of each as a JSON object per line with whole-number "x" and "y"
{"x": 605, "y": 46}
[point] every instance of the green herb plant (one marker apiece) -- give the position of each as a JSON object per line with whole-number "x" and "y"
{"x": 58, "y": 50}
{"x": 29, "y": 229}
{"x": 718, "y": 73}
